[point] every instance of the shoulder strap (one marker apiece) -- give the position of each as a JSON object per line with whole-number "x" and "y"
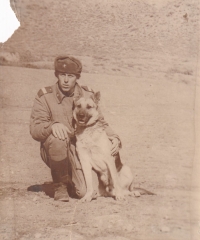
{"x": 88, "y": 89}
{"x": 44, "y": 90}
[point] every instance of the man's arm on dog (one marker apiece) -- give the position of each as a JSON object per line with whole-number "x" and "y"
{"x": 116, "y": 145}
{"x": 113, "y": 137}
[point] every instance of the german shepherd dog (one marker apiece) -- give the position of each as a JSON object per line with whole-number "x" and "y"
{"x": 94, "y": 151}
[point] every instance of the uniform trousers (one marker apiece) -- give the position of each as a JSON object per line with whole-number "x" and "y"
{"x": 61, "y": 157}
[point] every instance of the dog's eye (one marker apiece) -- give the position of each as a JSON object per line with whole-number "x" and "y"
{"x": 78, "y": 105}
{"x": 88, "y": 106}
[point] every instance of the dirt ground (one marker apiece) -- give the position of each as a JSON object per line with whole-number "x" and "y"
{"x": 152, "y": 111}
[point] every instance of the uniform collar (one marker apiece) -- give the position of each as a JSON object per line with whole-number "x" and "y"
{"x": 76, "y": 94}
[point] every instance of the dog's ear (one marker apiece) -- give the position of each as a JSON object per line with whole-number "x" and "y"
{"x": 97, "y": 97}
{"x": 76, "y": 99}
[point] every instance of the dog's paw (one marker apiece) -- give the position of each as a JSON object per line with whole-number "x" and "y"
{"x": 89, "y": 197}
{"x": 120, "y": 196}
{"x": 86, "y": 199}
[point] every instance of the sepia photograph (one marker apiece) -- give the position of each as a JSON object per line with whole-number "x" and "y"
{"x": 100, "y": 120}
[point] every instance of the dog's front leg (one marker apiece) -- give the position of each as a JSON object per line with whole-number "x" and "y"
{"x": 87, "y": 171}
{"x": 117, "y": 189}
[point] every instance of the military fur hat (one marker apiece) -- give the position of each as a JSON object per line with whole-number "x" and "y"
{"x": 67, "y": 64}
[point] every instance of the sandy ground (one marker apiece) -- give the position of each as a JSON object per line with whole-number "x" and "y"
{"x": 153, "y": 112}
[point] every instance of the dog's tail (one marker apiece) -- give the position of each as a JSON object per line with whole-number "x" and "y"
{"x": 139, "y": 191}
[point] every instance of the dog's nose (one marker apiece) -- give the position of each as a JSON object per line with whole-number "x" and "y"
{"x": 81, "y": 115}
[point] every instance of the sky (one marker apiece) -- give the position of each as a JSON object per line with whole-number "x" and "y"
{"x": 8, "y": 21}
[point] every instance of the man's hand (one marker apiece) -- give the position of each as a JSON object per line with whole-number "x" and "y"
{"x": 115, "y": 145}
{"x": 60, "y": 131}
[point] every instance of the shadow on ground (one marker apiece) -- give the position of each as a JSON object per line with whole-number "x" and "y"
{"x": 47, "y": 188}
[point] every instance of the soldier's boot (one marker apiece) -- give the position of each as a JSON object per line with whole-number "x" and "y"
{"x": 60, "y": 186}
{"x": 59, "y": 172}
{"x": 60, "y": 192}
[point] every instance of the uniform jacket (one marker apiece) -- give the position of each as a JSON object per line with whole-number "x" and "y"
{"x": 52, "y": 106}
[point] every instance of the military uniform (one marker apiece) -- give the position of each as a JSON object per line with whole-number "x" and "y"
{"x": 52, "y": 106}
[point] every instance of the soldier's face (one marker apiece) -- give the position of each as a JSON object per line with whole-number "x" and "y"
{"x": 67, "y": 82}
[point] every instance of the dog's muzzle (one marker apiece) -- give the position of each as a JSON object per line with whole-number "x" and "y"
{"x": 82, "y": 118}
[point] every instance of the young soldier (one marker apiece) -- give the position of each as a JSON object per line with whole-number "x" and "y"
{"x": 52, "y": 125}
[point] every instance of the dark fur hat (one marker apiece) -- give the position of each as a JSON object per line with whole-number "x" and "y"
{"x": 67, "y": 64}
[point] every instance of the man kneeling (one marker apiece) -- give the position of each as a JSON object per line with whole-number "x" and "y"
{"x": 52, "y": 124}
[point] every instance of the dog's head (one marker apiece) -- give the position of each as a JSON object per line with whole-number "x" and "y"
{"x": 85, "y": 111}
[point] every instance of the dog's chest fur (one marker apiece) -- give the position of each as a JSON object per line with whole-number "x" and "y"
{"x": 94, "y": 143}
{"x": 90, "y": 136}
